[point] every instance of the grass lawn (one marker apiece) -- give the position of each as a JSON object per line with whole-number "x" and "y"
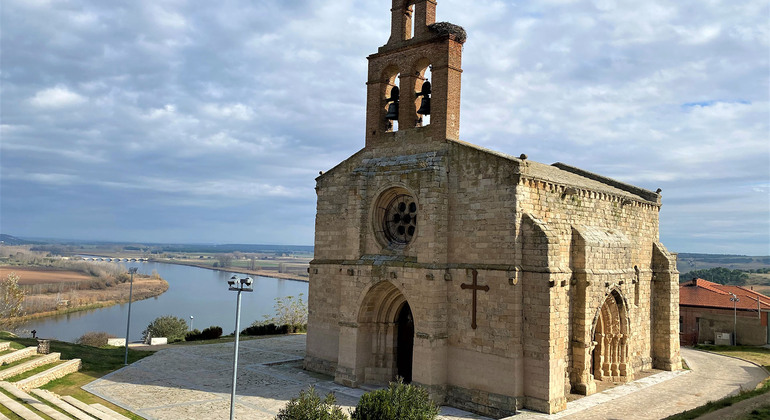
{"x": 97, "y": 362}
{"x": 761, "y": 413}
{"x": 758, "y": 355}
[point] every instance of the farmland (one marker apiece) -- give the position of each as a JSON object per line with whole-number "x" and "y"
{"x": 53, "y": 285}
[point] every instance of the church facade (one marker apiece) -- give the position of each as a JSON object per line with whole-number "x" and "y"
{"x": 494, "y": 281}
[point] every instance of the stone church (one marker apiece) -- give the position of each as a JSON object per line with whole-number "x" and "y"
{"x": 494, "y": 281}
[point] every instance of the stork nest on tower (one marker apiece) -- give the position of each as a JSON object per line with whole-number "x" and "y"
{"x": 446, "y": 28}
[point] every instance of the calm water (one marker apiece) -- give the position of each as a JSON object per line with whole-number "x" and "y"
{"x": 192, "y": 291}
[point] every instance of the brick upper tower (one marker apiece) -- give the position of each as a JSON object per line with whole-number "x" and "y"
{"x": 417, "y": 43}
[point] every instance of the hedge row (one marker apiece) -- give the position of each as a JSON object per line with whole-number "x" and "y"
{"x": 210, "y": 333}
{"x": 272, "y": 329}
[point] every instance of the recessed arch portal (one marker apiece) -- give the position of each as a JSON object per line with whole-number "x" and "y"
{"x": 610, "y": 336}
{"x": 386, "y": 325}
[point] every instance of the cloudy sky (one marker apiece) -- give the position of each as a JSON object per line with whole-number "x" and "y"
{"x": 207, "y": 121}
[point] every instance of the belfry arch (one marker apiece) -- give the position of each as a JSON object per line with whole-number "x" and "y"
{"x": 609, "y": 357}
{"x": 386, "y": 330}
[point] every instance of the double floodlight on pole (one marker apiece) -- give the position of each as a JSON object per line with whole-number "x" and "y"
{"x": 735, "y": 301}
{"x": 237, "y": 285}
{"x": 131, "y": 270}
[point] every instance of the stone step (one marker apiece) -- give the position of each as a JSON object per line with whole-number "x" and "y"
{"x": 109, "y": 411}
{"x": 29, "y": 365}
{"x": 55, "y": 400}
{"x": 17, "y": 408}
{"x": 88, "y": 409}
{"x": 5, "y": 345}
{"x": 18, "y": 355}
{"x": 32, "y": 402}
{"x": 49, "y": 375}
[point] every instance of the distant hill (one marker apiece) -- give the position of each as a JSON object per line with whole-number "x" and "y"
{"x": 12, "y": 240}
{"x": 741, "y": 270}
{"x": 687, "y": 262}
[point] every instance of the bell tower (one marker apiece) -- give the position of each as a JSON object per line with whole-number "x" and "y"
{"x": 400, "y": 105}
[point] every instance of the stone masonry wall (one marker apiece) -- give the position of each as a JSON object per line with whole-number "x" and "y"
{"x": 49, "y": 375}
{"x": 473, "y": 207}
{"x": 622, "y": 229}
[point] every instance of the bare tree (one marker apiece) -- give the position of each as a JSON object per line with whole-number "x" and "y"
{"x": 11, "y": 300}
{"x": 225, "y": 259}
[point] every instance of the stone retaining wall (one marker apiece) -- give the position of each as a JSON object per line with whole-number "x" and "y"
{"x": 19, "y": 369}
{"x": 18, "y": 355}
{"x": 49, "y": 375}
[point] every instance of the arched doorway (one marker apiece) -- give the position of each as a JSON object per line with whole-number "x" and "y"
{"x": 385, "y": 342}
{"x": 405, "y": 343}
{"x": 610, "y": 338}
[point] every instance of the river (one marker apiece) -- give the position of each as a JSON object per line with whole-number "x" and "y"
{"x": 197, "y": 292}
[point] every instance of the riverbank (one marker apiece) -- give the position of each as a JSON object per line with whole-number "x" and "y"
{"x": 198, "y": 295}
{"x": 57, "y": 292}
{"x": 270, "y": 266}
{"x": 240, "y": 270}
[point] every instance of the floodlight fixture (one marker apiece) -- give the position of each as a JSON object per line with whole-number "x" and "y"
{"x": 237, "y": 285}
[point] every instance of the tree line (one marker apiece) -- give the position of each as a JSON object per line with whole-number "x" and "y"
{"x": 719, "y": 275}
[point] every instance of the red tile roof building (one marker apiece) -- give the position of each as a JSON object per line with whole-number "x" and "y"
{"x": 700, "y": 298}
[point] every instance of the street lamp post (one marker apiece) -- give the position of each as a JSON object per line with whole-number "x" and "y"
{"x": 237, "y": 285}
{"x": 131, "y": 270}
{"x": 735, "y": 301}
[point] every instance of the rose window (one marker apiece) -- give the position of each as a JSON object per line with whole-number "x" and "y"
{"x": 398, "y": 217}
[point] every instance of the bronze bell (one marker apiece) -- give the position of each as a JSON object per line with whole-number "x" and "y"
{"x": 425, "y": 104}
{"x": 392, "y": 112}
{"x": 393, "y": 107}
{"x": 424, "y": 107}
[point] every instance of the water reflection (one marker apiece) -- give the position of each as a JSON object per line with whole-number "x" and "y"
{"x": 192, "y": 291}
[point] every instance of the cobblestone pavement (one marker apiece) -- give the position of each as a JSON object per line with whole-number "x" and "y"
{"x": 711, "y": 377}
{"x": 193, "y": 382}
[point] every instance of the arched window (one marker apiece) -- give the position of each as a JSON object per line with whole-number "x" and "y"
{"x": 392, "y": 98}
{"x": 423, "y": 92}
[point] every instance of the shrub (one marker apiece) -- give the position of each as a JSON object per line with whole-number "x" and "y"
{"x": 399, "y": 402}
{"x": 169, "y": 326}
{"x": 94, "y": 339}
{"x": 193, "y": 335}
{"x": 272, "y": 329}
{"x": 210, "y": 333}
{"x": 309, "y": 406}
{"x": 290, "y": 310}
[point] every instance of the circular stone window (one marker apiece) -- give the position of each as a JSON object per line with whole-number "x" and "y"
{"x": 396, "y": 217}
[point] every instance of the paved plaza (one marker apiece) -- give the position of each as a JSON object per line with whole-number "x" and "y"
{"x": 193, "y": 382}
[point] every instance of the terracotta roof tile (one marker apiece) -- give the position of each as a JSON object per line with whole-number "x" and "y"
{"x": 699, "y": 292}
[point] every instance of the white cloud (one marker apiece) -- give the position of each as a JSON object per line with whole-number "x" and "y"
{"x": 56, "y": 97}
{"x": 174, "y": 96}
{"x": 236, "y": 111}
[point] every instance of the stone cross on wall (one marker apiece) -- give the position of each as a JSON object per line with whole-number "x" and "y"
{"x": 474, "y": 287}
